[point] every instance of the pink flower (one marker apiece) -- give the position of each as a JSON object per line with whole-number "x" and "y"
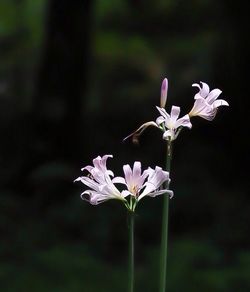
{"x": 138, "y": 184}
{"x": 206, "y": 103}
{"x": 170, "y": 124}
{"x": 101, "y": 186}
{"x": 144, "y": 184}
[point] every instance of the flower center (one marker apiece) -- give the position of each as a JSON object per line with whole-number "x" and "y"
{"x": 134, "y": 190}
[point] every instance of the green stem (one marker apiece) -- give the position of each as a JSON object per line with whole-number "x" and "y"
{"x": 164, "y": 238}
{"x": 131, "y": 252}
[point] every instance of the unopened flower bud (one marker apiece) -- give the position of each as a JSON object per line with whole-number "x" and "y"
{"x": 164, "y": 92}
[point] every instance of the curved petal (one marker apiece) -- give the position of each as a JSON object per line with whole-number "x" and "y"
{"x": 119, "y": 180}
{"x": 155, "y": 179}
{"x": 212, "y": 96}
{"x": 184, "y": 122}
{"x": 100, "y": 162}
{"x": 93, "y": 198}
{"x": 160, "y": 120}
{"x": 140, "y": 130}
{"x": 163, "y": 112}
{"x": 126, "y": 193}
{"x": 88, "y": 168}
{"x": 220, "y": 102}
{"x": 167, "y": 134}
{"x": 196, "y": 85}
{"x": 157, "y": 193}
{"x": 204, "y": 90}
{"x": 88, "y": 182}
{"x": 200, "y": 105}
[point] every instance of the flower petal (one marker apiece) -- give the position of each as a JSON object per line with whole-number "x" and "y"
{"x": 155, "y": 179}
{"x": 163, "y": 112}
{"x": 167, "y": 134}
{"x": 212, "y": 96}
{"x": 196, "y": 85}
{"x": 135, "y": 135}
{"x": 160, "y": 120}
{"x": 160, "y": 192}
{"x": 93, "y": 198}
{"x": 220, "y": 102}
{"x": 128, "y": 174}
{"x": 200, "y": 106}
{"x": 118, "y": 180}
{"x": 204, "y": 90}
{"x": 136, "y": 170}
{"x": 175, "y": 112}
{"x": 184, "y": 122}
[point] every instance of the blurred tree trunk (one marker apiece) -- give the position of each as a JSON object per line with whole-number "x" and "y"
{"x": 62, "y": 77}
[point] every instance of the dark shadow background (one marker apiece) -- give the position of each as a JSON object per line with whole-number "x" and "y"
{"x": 75, "y": 78}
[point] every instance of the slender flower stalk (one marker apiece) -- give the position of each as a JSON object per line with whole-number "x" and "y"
{"x": 164, "y": 235}
{"x": 131, "y": 252}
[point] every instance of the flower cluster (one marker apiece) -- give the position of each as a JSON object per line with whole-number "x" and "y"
{"x": 205, "y": 106}
{"x": 103, "y": 185}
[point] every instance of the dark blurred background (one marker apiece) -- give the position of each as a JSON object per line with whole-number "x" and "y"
{"x": 76, "y": 77}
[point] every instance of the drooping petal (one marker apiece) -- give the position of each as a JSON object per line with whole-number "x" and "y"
{"x": 196, "y": 85}
{"x": 135, "y": 135}
{"x": 88, "y": 168}
{"x": 168, "y": 134}
{"x": 94, "y": 198}
{"x": 161, "y": 192}
{"x": 119, "y": 180}
{"x": 88, "y": 182}
{"x": 220, "y": 102}
{"x": 126, "y": 193}
{"x": 160, "y": 120}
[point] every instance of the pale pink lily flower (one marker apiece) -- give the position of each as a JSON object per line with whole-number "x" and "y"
{"x": 144, "y": 184}
{"x": 206, "y": 103}
{"x": 138, "y": 185}
{"x": 101, "y": 186}
{"x": 171, "y": 124}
